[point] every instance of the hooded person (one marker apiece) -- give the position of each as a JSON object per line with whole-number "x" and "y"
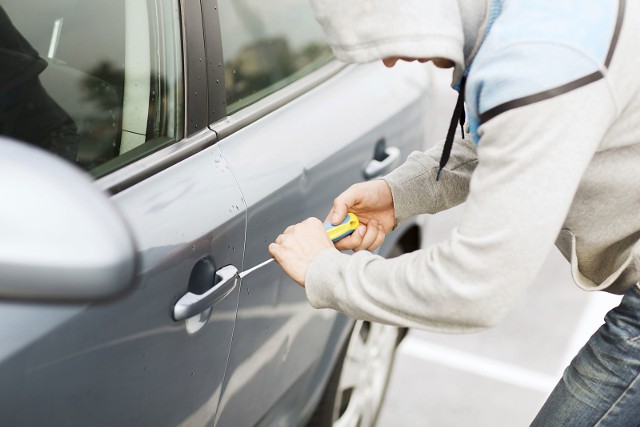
{"x": 27, "y": 112}
{"x": 552, "y": 156}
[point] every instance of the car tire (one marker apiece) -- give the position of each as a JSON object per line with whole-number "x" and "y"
{"x": 357, "y": 385}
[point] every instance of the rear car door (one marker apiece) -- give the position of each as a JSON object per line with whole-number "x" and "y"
{"x": 301, "y": 128}
{"x": 119, "y": 88}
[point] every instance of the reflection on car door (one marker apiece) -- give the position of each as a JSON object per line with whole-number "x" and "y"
{"x": 190, "y": 223}
{"x": 290, "y": 165}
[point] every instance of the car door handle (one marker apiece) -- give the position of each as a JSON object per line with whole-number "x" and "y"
{"x": 379, "y": 167}
{"x": 192, "y": 304}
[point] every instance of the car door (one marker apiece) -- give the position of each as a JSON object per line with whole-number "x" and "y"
{"x": 125, "y": 109}
{"x": 301, "y": 129}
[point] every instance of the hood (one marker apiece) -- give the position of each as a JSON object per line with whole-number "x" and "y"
{"x": 19, "y": 62}
{"x": 369, "y": 30}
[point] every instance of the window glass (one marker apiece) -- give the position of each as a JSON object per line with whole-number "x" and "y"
{"x": 97, "y": 82}
{"x": 267, "y": 45}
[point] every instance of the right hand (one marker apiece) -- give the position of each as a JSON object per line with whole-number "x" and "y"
{"x": 372, "y": 202}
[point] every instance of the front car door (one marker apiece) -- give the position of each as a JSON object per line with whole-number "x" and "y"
{"x": 114, "y": 92}
{"x": 301, "y": 128}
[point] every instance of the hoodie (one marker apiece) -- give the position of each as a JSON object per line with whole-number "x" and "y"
{"x": 20, "y": 62}
{"x": 360, "y": 31}
{"x": 554, "y": 156}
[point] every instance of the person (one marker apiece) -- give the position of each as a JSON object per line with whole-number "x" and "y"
{"x": 551, "y": 91}
{"x": 27, "y": 112}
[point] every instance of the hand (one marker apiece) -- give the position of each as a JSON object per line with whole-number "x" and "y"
{"x": 372, "y": 202}
{"x": 298, "y": 245}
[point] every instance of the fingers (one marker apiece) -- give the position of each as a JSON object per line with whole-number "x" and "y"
{"x": 338, "y": 213}
{"x": 379, "y": 239}
{"x": 298, "y": 245}
{"x": 353, "y": 240}
{"x": 292, "y": 229}
{"x": 342, "y": 204}
{"x": 281, "y": 238}
{"x": 369, "y": 237}
{"x": 373, "y": 234}
{"x": 274, "y": 250}
{"x": 366, "y": 237}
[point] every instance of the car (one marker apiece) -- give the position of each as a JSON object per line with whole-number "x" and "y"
{"x": 150, "y": 151}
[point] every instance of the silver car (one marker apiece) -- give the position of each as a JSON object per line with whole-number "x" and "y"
{"x": 150, "y": 151}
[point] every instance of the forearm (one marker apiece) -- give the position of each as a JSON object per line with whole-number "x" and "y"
{"x": 414, "y": 290}
{"x": 415, "y": 189}
{"x": 519, "y": 196}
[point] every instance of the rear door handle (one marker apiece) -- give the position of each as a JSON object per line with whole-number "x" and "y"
{"x": 193, "y": 304}
{"x": 382, "y": 164}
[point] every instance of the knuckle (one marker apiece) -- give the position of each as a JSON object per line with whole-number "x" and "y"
{"x": 313, "y": 221}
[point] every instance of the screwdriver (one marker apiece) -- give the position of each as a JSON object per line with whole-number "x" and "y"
{"x": 335, "y": 233}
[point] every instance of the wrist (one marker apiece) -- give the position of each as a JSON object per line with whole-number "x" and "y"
{"x": 386, "y": 193}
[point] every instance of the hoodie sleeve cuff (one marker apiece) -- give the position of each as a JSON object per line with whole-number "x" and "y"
{"x": 321, "y": 282}
{"x": 413, "y": 190}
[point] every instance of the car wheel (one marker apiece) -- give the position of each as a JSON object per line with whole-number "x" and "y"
{"x": 358, "y": 383}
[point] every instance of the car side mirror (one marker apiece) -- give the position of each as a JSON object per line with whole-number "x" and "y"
{"x": 61, "y": 238}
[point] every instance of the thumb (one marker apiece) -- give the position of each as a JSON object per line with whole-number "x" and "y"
{"x": 345, "y": 202}
{"x": 274, "y": 250}
{"x": 339, "y": 211}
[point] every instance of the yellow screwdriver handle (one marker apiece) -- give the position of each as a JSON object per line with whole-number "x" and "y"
{"x": 346, "y": 227}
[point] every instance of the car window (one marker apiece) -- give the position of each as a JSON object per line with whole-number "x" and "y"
{"x": 267, "y": 45}
{"x": 96, "y": 82}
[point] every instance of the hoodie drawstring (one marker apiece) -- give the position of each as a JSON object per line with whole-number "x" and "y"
{"x": 457, "y": 117}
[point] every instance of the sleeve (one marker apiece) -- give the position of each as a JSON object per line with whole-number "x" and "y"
{"x": 530, "y": 162}
{"x": 414, "y": 187}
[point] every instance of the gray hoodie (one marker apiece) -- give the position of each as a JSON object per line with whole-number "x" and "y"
{"x": 554, "y": 156}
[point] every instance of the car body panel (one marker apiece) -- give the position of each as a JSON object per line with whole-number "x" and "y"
{"x": 290, "y": 165}
{"x": 201, "y": 215}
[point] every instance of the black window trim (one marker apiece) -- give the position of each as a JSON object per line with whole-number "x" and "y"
{"x": 195, "y": 71}
{"x": 215, "y": 62}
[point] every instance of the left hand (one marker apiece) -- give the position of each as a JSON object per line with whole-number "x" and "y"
{"x": 298, "y": 245}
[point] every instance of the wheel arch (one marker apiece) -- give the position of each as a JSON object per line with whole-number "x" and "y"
{"x": 405, "y": 239}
